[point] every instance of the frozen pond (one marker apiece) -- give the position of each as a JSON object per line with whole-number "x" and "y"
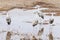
{"x": 18, "y": 25}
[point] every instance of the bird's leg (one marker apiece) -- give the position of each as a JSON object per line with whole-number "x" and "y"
{"x": 41, "y": 25}
{"x": 50, "y": 29}
{"x": 33, "y": 30}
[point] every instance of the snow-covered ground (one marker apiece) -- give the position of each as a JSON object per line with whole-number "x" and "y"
{"x": 18, "y": 24}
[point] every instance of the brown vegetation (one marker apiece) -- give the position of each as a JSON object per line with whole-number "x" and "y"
{"x": 8, "y": 36}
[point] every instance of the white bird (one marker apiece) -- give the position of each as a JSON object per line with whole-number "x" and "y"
{"x": 40, "y": 14}
{"x": 38, "y": 11}
{"x": 8, "y": 20}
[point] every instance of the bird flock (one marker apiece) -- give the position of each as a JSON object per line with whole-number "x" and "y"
{"x": 34, "y": 23}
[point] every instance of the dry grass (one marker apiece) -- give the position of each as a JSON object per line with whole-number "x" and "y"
{"x": 50, "y": 36}
{"x": 27, "y": 4}
{"x": 34, "y": 38}
{"x": 8, "y": 36}
{"x": 51, "y": 10}
{"x": 56, "y": 2}
{"x": 46, "y": 5}
{"x": 9, "y": 4}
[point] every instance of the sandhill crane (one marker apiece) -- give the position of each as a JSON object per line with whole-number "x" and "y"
{"x": 40, "y": 14}
{"x": 8, "y": 19}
